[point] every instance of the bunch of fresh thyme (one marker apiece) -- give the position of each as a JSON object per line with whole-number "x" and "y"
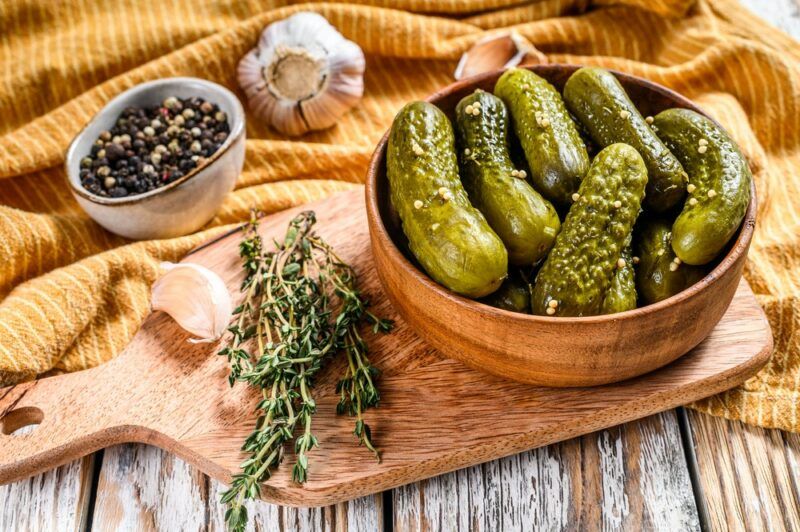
{"x": 283, "y": 333}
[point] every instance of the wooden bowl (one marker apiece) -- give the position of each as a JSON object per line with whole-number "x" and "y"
{"x": 549, "y": 351}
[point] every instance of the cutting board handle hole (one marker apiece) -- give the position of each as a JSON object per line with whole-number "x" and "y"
{"x": 21, "y": 421}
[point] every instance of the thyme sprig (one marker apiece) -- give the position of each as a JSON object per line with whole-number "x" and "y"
{"x": 356, "y": 389}
{"x": 283, "y": 333}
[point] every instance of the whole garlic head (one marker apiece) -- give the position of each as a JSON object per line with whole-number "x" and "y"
{"x": 195, "y": 297}
{"x": 303, "y": 75}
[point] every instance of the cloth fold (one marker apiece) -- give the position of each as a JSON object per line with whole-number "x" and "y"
{"x": 72, "y": 294}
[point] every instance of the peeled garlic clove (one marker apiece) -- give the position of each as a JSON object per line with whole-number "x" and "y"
{"x": 303, "y": 75}
{"x": 495, "y": 52}
{"x": 195, "y": 297}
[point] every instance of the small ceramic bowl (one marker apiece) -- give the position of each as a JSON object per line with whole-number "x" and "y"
{"x": 549, "y": 351}
{"x": 182, "y": 206}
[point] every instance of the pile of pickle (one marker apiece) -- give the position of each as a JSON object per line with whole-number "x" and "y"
{"x": 510, "y": 203}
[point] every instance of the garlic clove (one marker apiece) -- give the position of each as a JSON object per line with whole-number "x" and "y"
{"x": 195, "y": 297}
{"x": 286, "y": 117}
{"x": 249, "y": 74}
{"x": 534, "y": 57}
{"x": 324, "y": 112}
{"x": 303, "y": 75}
{"x": 497, "y": 51}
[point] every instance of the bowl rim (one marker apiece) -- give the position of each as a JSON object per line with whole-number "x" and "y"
{"x": 739, "y": 247}
{"x": 237, "y": 130}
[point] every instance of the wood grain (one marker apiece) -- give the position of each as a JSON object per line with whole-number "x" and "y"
{"x": 164, "y": 391}
{"x": 631, "y": 477}
{"x": 55, "y": 501}
{"x": 143, "y": 488}
{"x": 750, "y": 476}
{"x": 32, "y": 511}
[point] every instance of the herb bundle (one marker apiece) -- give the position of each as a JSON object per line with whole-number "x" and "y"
{"x": 285, "y": 330}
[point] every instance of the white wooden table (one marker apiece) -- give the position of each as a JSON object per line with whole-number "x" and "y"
{"x": 678, "y": 470}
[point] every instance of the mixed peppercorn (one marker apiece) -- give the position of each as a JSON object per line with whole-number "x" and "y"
{"x": 151, "y": 147}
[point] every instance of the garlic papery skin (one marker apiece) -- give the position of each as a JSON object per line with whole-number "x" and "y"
{"x": 495, "y": 52}
{"x": 195, "y": 297}
{"x": 303, "y": 75}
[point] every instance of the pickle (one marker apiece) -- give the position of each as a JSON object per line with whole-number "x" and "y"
{"x": 448, "y": 236}
{"x": 659, "y": 275}
{"x": 525, "y": 221}
{"x": 514, "y": 295}
{"x": 719, "y": 184}
{"x": 621, "y": 295}
{"x": 597, "y": 99}
{"x": 576, "y": 275}
{"x": 553, "y": 147}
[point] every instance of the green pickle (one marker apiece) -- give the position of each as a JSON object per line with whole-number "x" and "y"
{"x": 525, "y": 221}
{"x": 598, "y": 100}
{"x": 621, "y": 295}
{"x": 553, "y": 147}
{"x": 576, "y": 276}
{"x": 514, "y": 295}
{"x": 719, "y": 184}
{"x": 659, "y": 275}
{"x": 448, "y": 236}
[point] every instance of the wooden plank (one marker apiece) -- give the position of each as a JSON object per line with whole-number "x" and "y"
{"x": 750, "y": 476}
{"x": 631, "y": 477}
{"x": 144, "y": 488}
{"x": 57, "y": 500}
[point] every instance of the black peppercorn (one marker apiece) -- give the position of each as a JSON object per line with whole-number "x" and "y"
{"x": 149, "y": 147}
{"x": 114, "y": 151}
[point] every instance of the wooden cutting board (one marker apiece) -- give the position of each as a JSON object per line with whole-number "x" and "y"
{"x": 435, "y": 415}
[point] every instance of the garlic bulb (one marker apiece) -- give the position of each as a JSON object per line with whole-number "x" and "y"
{"x": 303, "y": 75}
{"x": 195, "y": 297}
{"x": 497, "y": 51}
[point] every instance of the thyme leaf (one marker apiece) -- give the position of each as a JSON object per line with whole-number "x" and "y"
{"x": 282, "y": 334}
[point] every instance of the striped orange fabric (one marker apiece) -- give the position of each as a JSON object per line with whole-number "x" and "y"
{"x": 73, "y": 294}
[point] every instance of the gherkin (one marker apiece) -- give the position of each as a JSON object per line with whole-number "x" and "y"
{"x": 719, "y": 184}
{"x": 514, "y": 295}
{"x": 597, "y": 99}
{"x": 659, "y": 275}
{"x": 621, "y": 295}
{"x": 448, "y": 236}
{"x": 578, "y": 272}
{"x": 525, "y": 221}
{"x": 552, "y": 144}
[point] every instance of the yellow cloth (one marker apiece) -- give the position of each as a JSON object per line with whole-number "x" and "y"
{"x": 73, "y": 294}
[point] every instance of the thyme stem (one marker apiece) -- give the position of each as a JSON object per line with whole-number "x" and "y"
{"x": 287, "y": 311}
